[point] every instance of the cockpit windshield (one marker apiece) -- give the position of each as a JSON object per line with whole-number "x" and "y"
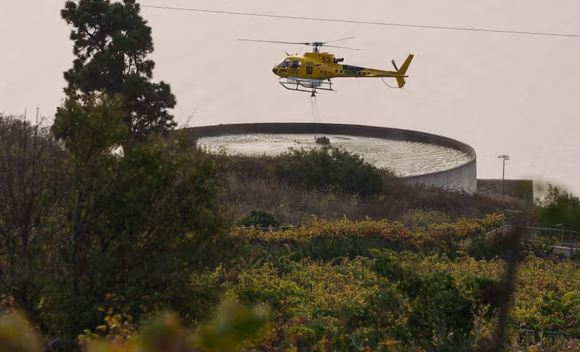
{"x": 290, "y": 63}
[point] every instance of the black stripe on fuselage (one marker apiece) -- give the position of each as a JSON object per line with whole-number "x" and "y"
{"x": 352, "y": 69}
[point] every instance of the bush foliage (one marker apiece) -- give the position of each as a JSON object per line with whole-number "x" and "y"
{"x": 334, "y": 238}
{"x": 258, "y": 218}
{"x": 229, "y": 329}
{"x": 251, "y": 183}
{"x": 329, "y": 169}
{"x": 560, "y": 208}
{"x": 82, "y": 224}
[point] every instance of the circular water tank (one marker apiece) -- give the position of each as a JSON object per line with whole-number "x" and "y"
{"x": 418, "y": 157}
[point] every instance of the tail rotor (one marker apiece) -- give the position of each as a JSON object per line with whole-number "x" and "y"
{"x": 395, "y": 65}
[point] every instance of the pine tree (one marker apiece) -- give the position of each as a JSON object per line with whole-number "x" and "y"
{"x": 111, "y": 45}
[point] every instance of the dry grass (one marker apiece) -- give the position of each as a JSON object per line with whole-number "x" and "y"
{"x": 250, "y": 183}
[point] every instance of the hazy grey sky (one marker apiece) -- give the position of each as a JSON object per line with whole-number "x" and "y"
{"x": 500, "y": 93}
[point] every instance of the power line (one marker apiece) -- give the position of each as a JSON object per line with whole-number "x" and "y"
{"x": 371, "y": 23}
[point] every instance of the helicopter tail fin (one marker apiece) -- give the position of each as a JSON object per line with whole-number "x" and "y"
{"x": 401, "y": 81}
{"x": 406, "y": 64}
{"x": 403, "y": 70}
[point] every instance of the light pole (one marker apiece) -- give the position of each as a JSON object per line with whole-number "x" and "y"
{"x": 504, "y": 159}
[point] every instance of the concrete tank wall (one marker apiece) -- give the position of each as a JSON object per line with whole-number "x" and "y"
{"x": 461, "y": 178}
{"x": 520, "y": 189}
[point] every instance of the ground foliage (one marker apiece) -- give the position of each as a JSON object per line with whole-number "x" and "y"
{"x": 560, "y": 208}
{"x": 83, "y": 227}
{"x": 32, "y": 173}
{"x": 329, "y": 169}
{"x": 405, "y": 301}
{"x": 229, "y": 329}
{"x": 343, "y": 237}
{"x": 258, "y": 218}
{"x": 102, "y": 238}
{"x": 252, "y": 183}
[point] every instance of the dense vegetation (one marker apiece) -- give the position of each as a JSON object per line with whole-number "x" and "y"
{"x": 116, "y": 236}
{"x": 83, "y": 227}
{"x": 561, "y": 209}
{"x": 255, "y": 184}
{"x": 358, "y": 285}
{"x": 329, "y": 169}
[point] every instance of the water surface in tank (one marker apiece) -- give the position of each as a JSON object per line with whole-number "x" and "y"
{"x": 403, "y": 157}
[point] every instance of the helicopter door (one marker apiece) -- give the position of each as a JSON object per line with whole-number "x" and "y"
{"x": 310, "y": 68}
{"x": 295, "y": 67}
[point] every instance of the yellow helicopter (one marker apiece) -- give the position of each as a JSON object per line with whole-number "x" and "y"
{"x": 314, "y": 70}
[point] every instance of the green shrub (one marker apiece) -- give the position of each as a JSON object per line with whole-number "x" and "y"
{"x": 329, "y": 169}
{"x": 560, "y": 208}
{"x": 481, "y": 247}
{"x": 259, "y": 218}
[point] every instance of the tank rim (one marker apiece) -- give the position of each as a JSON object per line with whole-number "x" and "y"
{"x": 368, "y": 131}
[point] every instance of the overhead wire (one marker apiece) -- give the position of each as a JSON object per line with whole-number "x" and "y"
{"x": 371, "y": 23}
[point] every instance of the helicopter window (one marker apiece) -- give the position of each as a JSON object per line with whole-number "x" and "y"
{"x": 285, "y": 63}
{"x": 295, "y": 64}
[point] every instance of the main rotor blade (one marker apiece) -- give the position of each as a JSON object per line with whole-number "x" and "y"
{"x": 301, "y": 43}
{"x": 272, "y": 41}
{"x": 338, "y": 40}
{"x": 340, "y": 47}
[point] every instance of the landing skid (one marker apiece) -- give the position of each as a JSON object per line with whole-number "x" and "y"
{"x": 307, "y": 85}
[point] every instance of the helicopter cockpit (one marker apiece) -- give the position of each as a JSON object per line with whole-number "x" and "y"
{"x": 284, "y": 64}
{"x": 290, "y": 63}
